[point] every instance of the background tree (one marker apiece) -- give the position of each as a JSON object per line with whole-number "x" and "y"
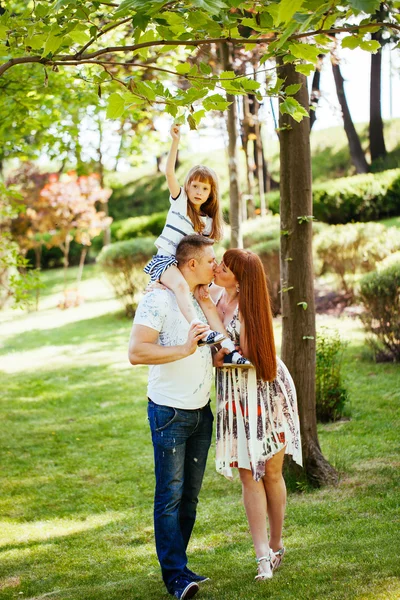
{"x": 16, "y": 282}
{"x": 356, "y": 152}
{"x": 91, "y": 36}
{"x": 68, "y": 209}
{"x": 297, "y": 289}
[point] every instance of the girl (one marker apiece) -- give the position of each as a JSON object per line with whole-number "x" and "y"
{"x": 194, "y": 208}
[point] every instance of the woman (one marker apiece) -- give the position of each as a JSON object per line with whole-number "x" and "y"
{"x": 257, "y": 419}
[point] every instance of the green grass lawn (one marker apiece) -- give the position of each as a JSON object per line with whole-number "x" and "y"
{"x": 77, "y": 481}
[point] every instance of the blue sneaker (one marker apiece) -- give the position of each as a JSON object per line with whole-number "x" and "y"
{"x": 235, "y": 359}
{"x": 211, "y": 338}
{"x": 195, "y": 577}
{"x": 183, "y": 587}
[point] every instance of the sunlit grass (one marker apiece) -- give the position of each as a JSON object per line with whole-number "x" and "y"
{"x": 77, "y": 480}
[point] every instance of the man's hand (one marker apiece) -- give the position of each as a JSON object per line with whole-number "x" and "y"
{"x": 196, "y": 332}
{"x": 218, "y": 358}
{"x": 155, "y": 285}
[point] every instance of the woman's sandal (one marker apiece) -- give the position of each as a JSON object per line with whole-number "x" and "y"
{"x": 276, "y": 557}
{"x": 266, "y": 572}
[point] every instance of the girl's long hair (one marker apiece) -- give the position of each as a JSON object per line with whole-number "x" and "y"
{"x": 255, "y": 310}
{"x": 211, "y": 207}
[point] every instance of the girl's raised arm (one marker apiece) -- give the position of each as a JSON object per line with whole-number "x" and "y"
{"x": 173, "y": 183}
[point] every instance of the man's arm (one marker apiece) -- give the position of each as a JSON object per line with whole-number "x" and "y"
{"x": 144, "y": 349}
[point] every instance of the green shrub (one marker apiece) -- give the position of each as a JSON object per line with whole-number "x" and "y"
{"x": 359, "y": 198}
{"x": 123, "y": 264}
{"x": 262, "y": 236}
{"x": 273, "y": 200}
{"x": 144, "y": 226}
{"x": 331, "y": 394}
{"x": 380, "y": 294}
{"x": 353, "y": 248}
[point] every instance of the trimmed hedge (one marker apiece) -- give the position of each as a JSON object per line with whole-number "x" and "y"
{"x": 353, "y": 248}
{"x": 123, "y": 264}
{"x": 144, "y": 226}
{"x": 380, "y": 294}
{"x": 360, "y": 198}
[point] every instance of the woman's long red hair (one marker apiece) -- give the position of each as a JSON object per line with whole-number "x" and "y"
{"x": 255, "y": 310}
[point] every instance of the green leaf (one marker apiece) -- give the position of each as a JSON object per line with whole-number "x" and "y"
{"x": 198, "y": 115}
{"x": 140, "y": 21}
{"x": 287, "y": 8}
{"x": 192, "y": 122}
{"x": 115, "y": 106}
{"x": 142, "y": 6}
{"x": 183, "y": 68}
{"x": 304, "y": 305}
{"x": 228, "y": 75}
{"x": 305, "y": 69}
{"x": 52, "y": 44}
{"x": 291, "y": 90}
{"x": 307, "y": 52}
{"x": 215, "y": 102}
{"x": 370, "y": 46}
{"x": 367, "y": 6}
{"x": 290, "y": 29}
{"x": 79, "y": 37}
{"x": 249, "y": 85}
{"x": 293, "y": 108}
{"x": 213, "y": 7}
{"x": 171, "y": 109}
{"x": 351, "y": 41}
{"x": 205, "y": 68}
{"x": 277, "y": 87}
{"x": 42, "y": 11}
{"x": 146, "y": 89}
{"x": 35, "y": 42}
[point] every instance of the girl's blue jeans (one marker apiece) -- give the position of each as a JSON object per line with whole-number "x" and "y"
{"x": 181, "y": 440}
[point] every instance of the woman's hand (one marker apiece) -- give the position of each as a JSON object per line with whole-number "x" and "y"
{"x": 201, "y": 292}
{"x": 175, "y": 132}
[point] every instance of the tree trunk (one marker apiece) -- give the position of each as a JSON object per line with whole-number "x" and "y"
{"x": 260, "y": 158}
{"x": 235, "y": 209}
{"x": 297, "y": 285}
{"x": 65, "y": 250}
{"x": 38, "y": 260}
{"x": 81, "y": 265}
{"x": 248, "y": 203}
{"x": 104, "y": 205}
{"x": 315, "y": 90}
{"x": 376, "y": 140}
{"x": 356, "y": 151}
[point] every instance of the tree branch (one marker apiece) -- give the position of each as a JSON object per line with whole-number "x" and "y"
{"x": 111, "y": 49}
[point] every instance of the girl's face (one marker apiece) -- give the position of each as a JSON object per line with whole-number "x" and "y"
{"x": 224, "y": 276}
{"x": 198, "y": 192}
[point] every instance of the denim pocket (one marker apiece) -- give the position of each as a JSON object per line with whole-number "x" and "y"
{"x": 164, "y": 417}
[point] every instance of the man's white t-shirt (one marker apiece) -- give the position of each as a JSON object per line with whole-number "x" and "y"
{"x": 184, "y": 383}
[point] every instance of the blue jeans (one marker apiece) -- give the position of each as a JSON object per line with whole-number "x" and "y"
{"x": 181, "y": 440}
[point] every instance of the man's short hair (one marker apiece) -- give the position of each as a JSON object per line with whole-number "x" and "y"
{"x": 191, "y": 246}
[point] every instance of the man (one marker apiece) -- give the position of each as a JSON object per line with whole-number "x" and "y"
{"x": 179, "y": 412}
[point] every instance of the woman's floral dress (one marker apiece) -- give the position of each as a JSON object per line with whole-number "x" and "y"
{"x": 255, "y": 418}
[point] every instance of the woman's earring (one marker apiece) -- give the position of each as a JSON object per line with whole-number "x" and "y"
{"x": 237, "y": 288}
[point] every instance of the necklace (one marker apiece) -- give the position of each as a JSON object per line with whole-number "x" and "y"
{"x": 227, "y": 304}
